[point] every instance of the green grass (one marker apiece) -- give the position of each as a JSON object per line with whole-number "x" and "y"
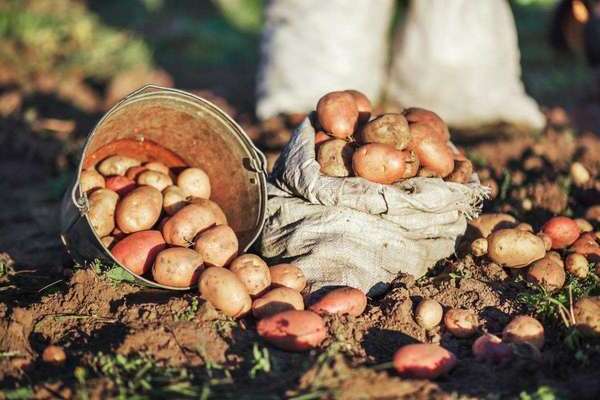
{"x": 113, "y": 272}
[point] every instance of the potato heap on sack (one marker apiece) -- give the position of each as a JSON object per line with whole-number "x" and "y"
{"x": 387, "y": 148}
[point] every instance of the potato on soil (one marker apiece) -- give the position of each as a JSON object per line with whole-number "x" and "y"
{"x": 173, "y": 199}
{"x": 562, "y": 230}
{"x": 287, "y": 275}
{"x": 416, "y": 115}
{"x": 435, "y": 156}
{"x": 101, "y": 211}
{"x": 363, "y": 104}
{"x": 587, "y": 315}
{"x": 54, "y": 355}
{"x": 577, "y": 265}
{"x": 90, "y": 179}
{"x": 217, "y": 245}
{"x": 223, "y": 289}
{"x": 391, "y": 129}
{"x": 277, "y": 300}
{"x": 253, "y": 272}
{"x": 293, "y": 330}
{"x": 194, "y": 182}
{"x": 513, "y": 248}
{"x": 587, "y": 246}
{"x": 138, "y": 250}
{"x": 423, "y": 361}
{"x": 490, "y": 348}
{"x": 133, "y": 172}
{"x": 524, "y": 329}
{"x": 177, "y": 267}
{"x": 343, "y": 300}
{"x": 155, "y": 179}
{"x": 461, "y": 323}
{"x": 117, "y": 165}
{"x": 183, "y": 227}
{"x": 485, "y": 224}
{"x": 428, "y": 314}
{"x": 463, "y": 169}
{"x": 338, "y": 114}
{"x": 547, "y": 273}
{"x": 139, "y": 210}
{"x": 381, "y": 163}
{"x": 479, "y": 247}
{"x": 335, "y": 158}
{"x": 220, "y": 217}
{"x": 158, "y": 167}
{"x": 122, "y": 185}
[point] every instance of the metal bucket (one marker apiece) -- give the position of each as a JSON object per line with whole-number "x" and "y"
{"x": 177, "y": 129}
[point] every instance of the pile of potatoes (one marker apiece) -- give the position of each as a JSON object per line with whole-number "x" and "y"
{"x": 385, "y": 149}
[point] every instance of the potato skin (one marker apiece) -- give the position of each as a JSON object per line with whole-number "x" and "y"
{"x": 547, "y": 273}
{"x": 133, "y": 172}
{"x": 490, "y": 348}
{"x": 181, "y": 229}
{"x": 321, "y": 137}
{"x": 435, "y": 156}
{"x": 363, "y": 104}
{"x": 428, "y": 314}
{"x": 158, "y": 167}
{"x": 423, "y": 361}
{"x": 293, "y": 330}
{"x": 463, "y": 169}
{"x": 562, "y": 230}
{"x": 223, "y": 289}
{"x": 335, "y": 158}
{"x": 415, "y": 115}
{"x": 155, "y": 179}
{"x": 514, "y": 248}
{"x": 220, "y": 217}
{"x": 90, "y": 179}
{"x": 177, "y": 267}
{"x": 461, "y": 323}
{"x": 117, "y": 165}
{"x": 120, "y": 184}
{"x": 194, "y": 182}
{"x": 217, "y": 245}
{"x": 587, "y": 315}
{"x": 173, "y": 199}
{"x": 344, "y": 300}
{"x": 287, "y": 275}
{"x": 338, "y": 114}
{"x": 101, "y": 211}
{"x": 524, "y": 329}
{"x": 139, "y": 210}
{"x": 275, "y": 301}
{"x": 253, "y": 272}
{"x": 138, "y": 250}
{"x": 389, "y": 129}
{"x": 381, "y": 163}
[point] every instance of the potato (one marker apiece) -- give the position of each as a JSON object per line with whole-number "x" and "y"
{"x": 90, "y": 179}
{"x": 220, "y": 217}
{"x": 158, "y": 167}
{"x": 120, "y": 184}
{"x": 461, "y": 323}
{"x": 513, "y": 248}
{"x": 139, "y": 210}
{"x": 223, "y": 289}
{"x": 183, "y": 227}
{"x": 547, "y": 241}
{"x": 587, "y": 246}
{"x": 363, "y": 104}
{"x": 101, "y": 211}
{"x": 463, "y": 169}
{"x": 338, "y": 114}
{"x": 194, "y": 182}
{"x": 276, "y": 301}
{"x": 137, "y": 251}
{"x": 423, "y": 361}
{"x": 108, "y": 241}
{"x": 133, "y": 172}
{"x": 381, "y": 163}
{"x": 524, "y": 329}
{"x": 54, "y": 355}
{"x": 524, "y": 227}
{"x": 117, "y": 165}
{"x": 416, "y": 115}
{"x": 479, "y": 247}
{"x": 218, "y": 246}
{"x": 490, "y": 348}
{"x": 435, "y": 156}
{"x": 547, "y": 273}
{"x": 173, "y": 199}
{"x": 321, "y": 137}
{"x": 577, "y": 265}
{"x": 155, "y": 179}
{"x": 253, "y": 272}
{"x": 562, "y": 230}
{"x": 587, "y": 315}
{"x": 428, "y": 314}
{"x": 293, "y": 330}
{"x": 584, "y": 225}
{"x": 287, "y": 275}
{"x": 485, "y": 224}
{"x": 343, "y": 300}
{"x": 335, "y": 158}
{"x": 389, "y": 129}
{"x": 177, "y": 267}
{"x": 554, "y": 256}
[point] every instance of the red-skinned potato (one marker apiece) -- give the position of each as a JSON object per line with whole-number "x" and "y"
{"x": 54, "y": 355}
{"x": 277, "y": 300}
{"x": 181, "y": 229}
{"x": 391, "y": 129}
{"x": 194, "y": 182}
{"x": 381, "y": 163}
{"x": 513, "y": 248}
{"x": 423, "y": 361}
{"x": 217, "y": 245}
{"x": 335, "y": 157}
{"x": 547, "y": 273}
{"x": 344, "y": 300}
{"x": 220, "y": 217}
{"x": 101, "y": 211}
{"x": 524, "y": 329}
{"x": 588, "y": 246}
{"x": 120, "y": 184}
{"x": 461, "y": 323}
{"x": 490, "y": 348}
{"x": 435, "y": 156}
{"x": 428, "y": 314}
{"x": 338, "y": 114}
{"x": 223, "y": 289}
{"x": 363, "y": 104}
{"x": 155, "y": 179}
{"x": 117, "y": 165}
{"x": 91, "y": 179}
{"x": 321, "y": 137}
{"x": 177, "y": 267}
{"x": 485, "y": 224}
{"x": 173, "y": 199}
{"x": 138, "y": 250}
{"x": 416, "y": 115}
{"x": 253, "y": 272}
{"x": 133, "y": 172}
{"x": 287, "y": 275}
{"x": 587, "y": 315}
{"x": 562, "y": 230}
{"x": 293, "y": 330}
{"x": 139, "y": 210}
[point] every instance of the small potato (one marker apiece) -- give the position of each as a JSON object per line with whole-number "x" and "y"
{"x": 343, "y": 300}
{"x": 183, "y": 227}
{"x": 428, "y": 314}
{"x": 461, "y": 323}
{"x": 381, "y": 163}
{"x": 587, "y": 315}
{"x": 524, "y": 329}
{"x": 435, "y": 156}
{"x": 223, "y": 289}
{"x": 321, "y": 137}
{"x": 513, "y": 248}
{"x": 155, "y": 179}
{"x": 463, "y": 169}
{"x": 389, "y": 129}
{"x": 217, "y": 246}
{"x": 158, "y": 167}
{"x": 276, "y": 301}
{"x": 177, "y": 267}
{"x": 108, "y": 241}
{"x": 194, "y": 182}
{"x": 90, "y": 179}
{"x": 485, "y": 224}
{"x": 584, "y": 225}
{"x": 173, "y": 199}
{"x": 253, "y": 272}
{"x": 117, "y": 165}
{"x": 54, "y": 355}
{"x": 101, "y": 212}
{"x": 338, "y": 114}
{"x": 479, "y": 247}
{"x": 139, "y": 210}
{"x": 335, "y": 158}
{"x": 363, "y": 104}
{"x": 555, "y": 257}
{"x": 423, "y": 361}
{"x": 416, "y": 115}
{"x": 524, "y": 227}
{"x": 577, "y": 265}
{"x": 547, "y": 273}
{"x": 220, "y": 217}
{"x": 120, "y": 184}
{"x": 133, "y": 172}
{"x": 287, "y": 275}
{"x": 293, "y": 330}
{"x": 138, "y": 250}
{"x": 562, "y": 230}
{"x": 547, "y": 241}
{"x": 587, "y": 246}
{"x": 490, "y": 348}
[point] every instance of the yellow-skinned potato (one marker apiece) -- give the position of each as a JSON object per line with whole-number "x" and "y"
{"x": 587, "y": 315}
{"x": 101, "y": 211}
{"x": 158, "y": 167}
{"x": 194, "y": 182}
{"x": 253, "y": 272}
{"x": 548, "y": 273}
{"x": 217, "y": 245}
{"x": 382, "y": 163}
{"x": 183, "y": 227}
{"x": 173, "y": 199}
{"x": 524, "y": 329}
{"x": 485, "y": 224}
{"x": 177, "y": 267}
{"x": 117, "y": 165}
{"x": 514, "y": 248}
{"x": 139, "y": 210}
{"x": 225, "y": 291}
{"x": 338, "y": 114}
{"x": 220, "y": 217}
{"x": 389, "y": 129}
{"x": 277, "y": 300}
{"x": 335, "y": 157}
{"x": 91, "y": 179}
{"x": 157, "y": 180}
{"x": 287, "y": 275}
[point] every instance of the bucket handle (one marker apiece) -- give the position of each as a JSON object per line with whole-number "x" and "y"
{"x": 81, "y": 202}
